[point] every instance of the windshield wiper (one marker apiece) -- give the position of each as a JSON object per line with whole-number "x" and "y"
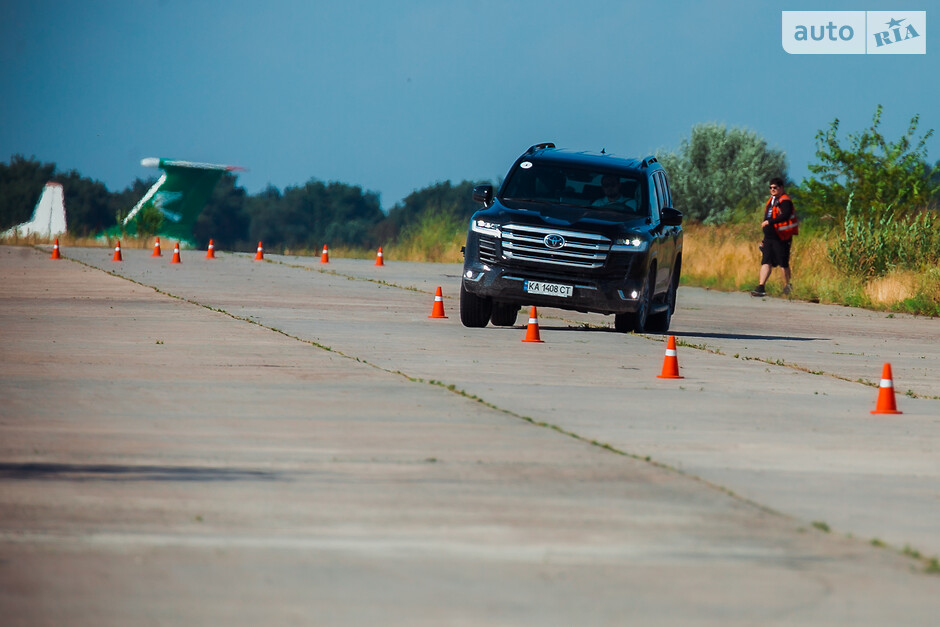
{"x": 543, "y": 202}
{"x": 531, "y": 200}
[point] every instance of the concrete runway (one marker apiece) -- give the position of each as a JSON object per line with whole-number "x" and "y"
{"x": 289, "y": 442}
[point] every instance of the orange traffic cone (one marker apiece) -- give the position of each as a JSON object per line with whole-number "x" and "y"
{"x": 886, "y": 404}
{"x": 55, "y": 250}
{"x": 670, "y": 362}
{"x": 210, "y": 253}
{"x": 532, "y": 331}
{"x": 378, "y": 258}
{"x": 117, "y": 252}
{"x": 325, "y": 257}
{"x": 156, "y": 249}
{"x": 259, "y": 256}
{"x": 176, "y": 254}
{"x": 438, "y": 310}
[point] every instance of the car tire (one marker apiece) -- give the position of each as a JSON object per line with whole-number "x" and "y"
{"x": 474, "y": 310}
{"x": 623, "y": 323}
{"x": 504, "y": 315}
{"x": 636, "y": 321}
{"x": 659, "y": 323}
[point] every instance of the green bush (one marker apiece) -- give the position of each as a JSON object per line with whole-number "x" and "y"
{"x": 872, "y": 245}
{"x": 878, "y": 175}
{"x": 720, "y": 175}
{"x": 435, "y": 236}
{"x": 149, "y": 220}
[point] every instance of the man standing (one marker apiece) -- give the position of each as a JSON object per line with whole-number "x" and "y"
{"x": 779, "y": 226}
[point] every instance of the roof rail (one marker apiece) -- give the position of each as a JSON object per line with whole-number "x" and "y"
{"x": 646, "y": 162}
{"x": 541, "y": 146}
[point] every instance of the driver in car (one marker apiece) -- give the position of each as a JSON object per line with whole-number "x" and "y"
{"x": 611, "y": 185}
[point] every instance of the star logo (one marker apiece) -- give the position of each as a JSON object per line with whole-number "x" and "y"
{"x": 895, "y": 23}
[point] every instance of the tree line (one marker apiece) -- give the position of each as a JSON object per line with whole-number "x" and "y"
{"x": 299, "y": 217}
{"x": 718, "y": 175}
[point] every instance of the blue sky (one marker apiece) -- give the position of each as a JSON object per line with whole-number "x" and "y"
{"x": 394, "y": 96}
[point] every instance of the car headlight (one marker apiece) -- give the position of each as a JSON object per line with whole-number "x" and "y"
{"x": 485, "y": 228}
{"x": 630, "y": 243}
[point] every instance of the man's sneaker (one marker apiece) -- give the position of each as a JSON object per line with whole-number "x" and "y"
{"x": 787, "y": 289}
{"x": 758, "y": 291}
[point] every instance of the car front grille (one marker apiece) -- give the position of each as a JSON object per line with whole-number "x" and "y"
{"x": 487, "y": 250}
{"x": 527, "y": 244}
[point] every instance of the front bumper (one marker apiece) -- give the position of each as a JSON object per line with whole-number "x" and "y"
{"x": 588, "y": 295}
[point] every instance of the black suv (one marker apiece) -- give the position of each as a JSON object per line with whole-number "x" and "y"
{"x": 589, "y": 232}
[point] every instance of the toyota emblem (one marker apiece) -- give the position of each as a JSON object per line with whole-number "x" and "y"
{"x": 554, "y": 241}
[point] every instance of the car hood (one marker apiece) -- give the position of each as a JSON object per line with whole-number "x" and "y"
{"x": 587, "y": 219}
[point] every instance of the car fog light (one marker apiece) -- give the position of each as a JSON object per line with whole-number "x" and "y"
{"x": 634, "y": 294}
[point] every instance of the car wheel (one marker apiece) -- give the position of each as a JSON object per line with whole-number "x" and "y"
{"x": 504, "y": 315}
{"x": 636, "y": 321}
{"x": 474, "y": 310}
{"x": 659, "y": 323}
{"x": 623, "y": 323}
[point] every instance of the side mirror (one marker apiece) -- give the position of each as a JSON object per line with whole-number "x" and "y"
{"x": 484, "y": 194}
{"x": 671, "y": 217}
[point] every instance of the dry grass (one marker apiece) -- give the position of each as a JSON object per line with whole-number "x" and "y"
{"x": 441, "y": 252}
{"x": 449, "y": 253}
{"x": 436, "y": 238}
{"x": 67, "y": 240}
{"x": 727, "y": 258}
{"x": 892, "y": 288}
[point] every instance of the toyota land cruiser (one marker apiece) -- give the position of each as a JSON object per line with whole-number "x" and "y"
{"x": 588, "y": 232}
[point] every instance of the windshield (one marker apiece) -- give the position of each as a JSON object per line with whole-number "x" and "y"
{"x": 572, "y": 185}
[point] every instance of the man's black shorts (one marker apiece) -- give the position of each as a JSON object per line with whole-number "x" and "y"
{"x": 775, "y": 253}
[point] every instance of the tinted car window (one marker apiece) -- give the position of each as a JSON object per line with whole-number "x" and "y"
{"x": 655, "y": 202}
{"x": 661, "y": 190}
{"x": 667, "y": 199}
{"x": 576, "y": 186}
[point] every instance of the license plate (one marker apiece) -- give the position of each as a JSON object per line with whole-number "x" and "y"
{"x": 547, "y": 289}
